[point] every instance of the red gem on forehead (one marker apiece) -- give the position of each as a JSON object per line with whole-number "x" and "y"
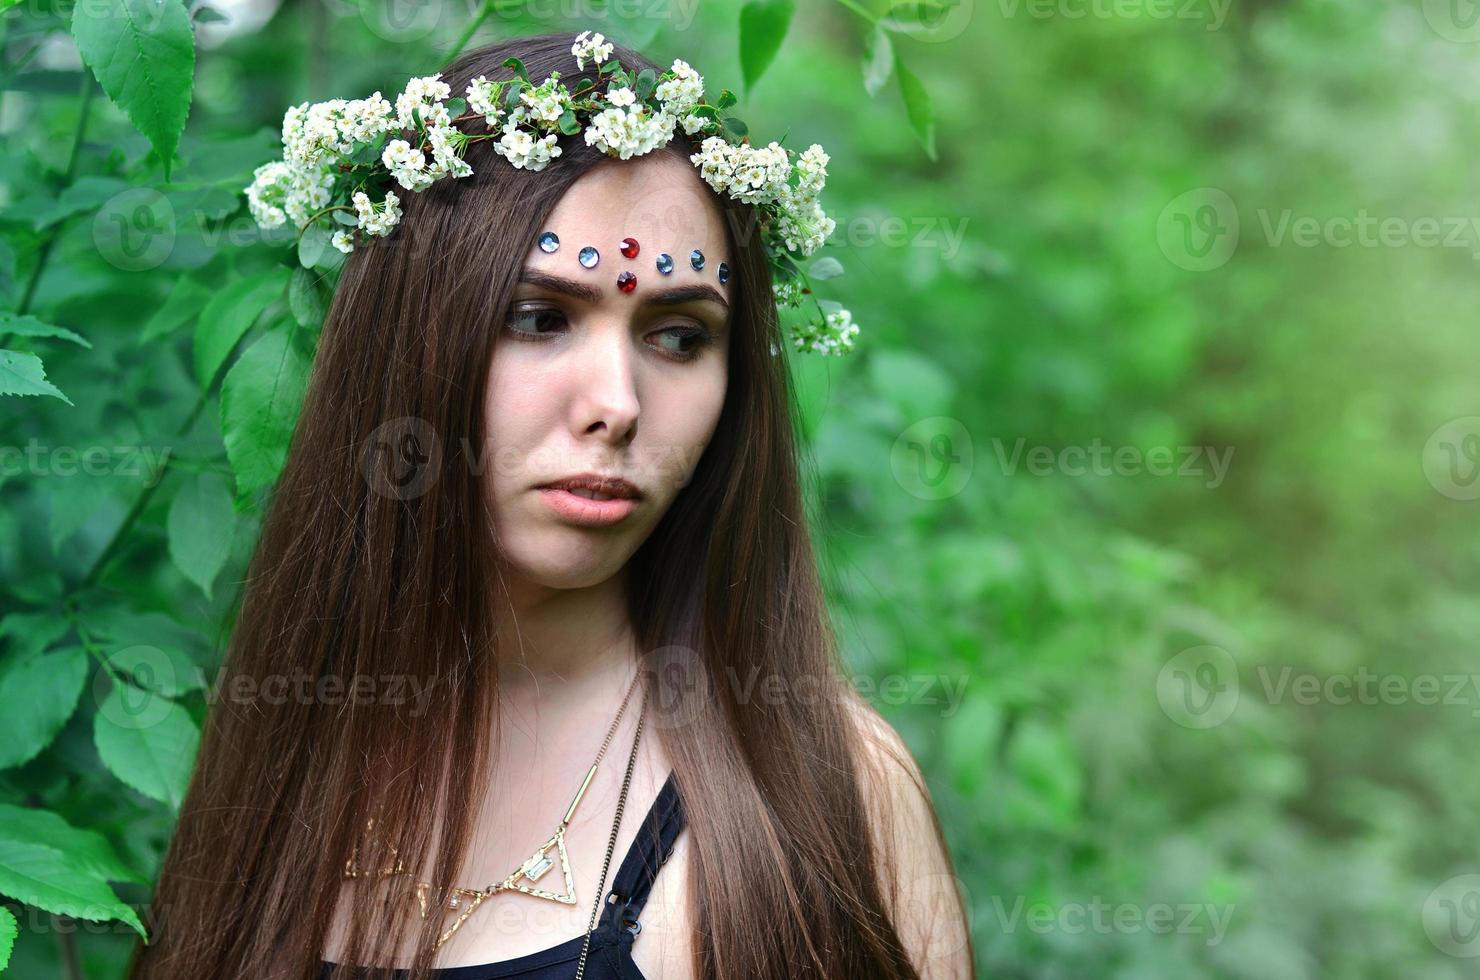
{"x": 629, "y": 247}
{"x": 626, "y": 282}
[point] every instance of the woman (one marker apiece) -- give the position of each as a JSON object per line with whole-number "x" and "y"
{"x": 434, "y": 549}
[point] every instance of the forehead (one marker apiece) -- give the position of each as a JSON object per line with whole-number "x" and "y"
{"x": 656, "y": 200}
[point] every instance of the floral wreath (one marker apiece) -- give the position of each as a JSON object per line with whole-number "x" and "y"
{"x": 337, "y": 154}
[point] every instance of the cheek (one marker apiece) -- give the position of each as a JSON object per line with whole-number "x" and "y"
{"x": 681, "y": 421}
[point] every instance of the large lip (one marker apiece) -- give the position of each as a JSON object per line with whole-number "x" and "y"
{"x": 614, "y": 486}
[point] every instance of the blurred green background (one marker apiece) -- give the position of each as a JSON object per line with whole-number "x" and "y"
{"x": 1147, "y": 504}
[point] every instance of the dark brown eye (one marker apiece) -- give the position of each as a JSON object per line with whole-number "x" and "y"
{"x": 687, "y": 343}
{"x": 530, "y": 323}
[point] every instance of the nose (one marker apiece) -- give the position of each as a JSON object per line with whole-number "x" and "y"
{"x": 606, "y": 402}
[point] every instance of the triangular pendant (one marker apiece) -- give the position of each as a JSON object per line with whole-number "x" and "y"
{"x": 463, "y": 900}
{"x": 538, "y": 865}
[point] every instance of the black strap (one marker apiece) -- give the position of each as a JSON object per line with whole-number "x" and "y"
{"x": 650, "y": 849}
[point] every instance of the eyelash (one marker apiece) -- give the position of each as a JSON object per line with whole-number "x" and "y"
{"x": 698, "y": 333}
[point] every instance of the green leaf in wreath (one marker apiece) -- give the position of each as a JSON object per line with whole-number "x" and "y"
{"x": 8, "y": 927}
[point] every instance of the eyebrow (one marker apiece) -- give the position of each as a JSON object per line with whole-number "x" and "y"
{"x": 672, "y": 296}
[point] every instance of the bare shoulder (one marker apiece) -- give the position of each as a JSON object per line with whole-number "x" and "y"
{"x": 916, "y": 875}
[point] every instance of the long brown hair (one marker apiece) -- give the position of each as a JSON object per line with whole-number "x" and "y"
{"x": 352, "y": 578}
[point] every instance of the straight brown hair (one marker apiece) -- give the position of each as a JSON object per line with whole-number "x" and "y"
{"x": 351, "y": 577}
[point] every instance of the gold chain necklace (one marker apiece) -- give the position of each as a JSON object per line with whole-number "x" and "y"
{"x": 467, "y": 900}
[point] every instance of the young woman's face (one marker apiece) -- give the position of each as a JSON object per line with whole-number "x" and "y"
{"x": 587, "y": 378}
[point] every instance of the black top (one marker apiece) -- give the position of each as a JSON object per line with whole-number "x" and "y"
{"x": 610, "y": 957}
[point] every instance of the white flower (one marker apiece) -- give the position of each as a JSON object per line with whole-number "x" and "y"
{"x": 831, "y": 335}
{"x": 811, "y": 168}
{"x": 632, "y": 133}
{"x": 547, "y": 103}
{"x": 692, "y": 123}
{"x": 521, "y": 148}
{"x": 754, "y": 175}
{"x": 483, "y": 98}
{"x": 377, "y": 219}
{"x": 788, "y": 293}
{"x": 343, "y": 241}
{"x": 683, "y": 91}
{"x": 282, "y": 192}
{"x": 445, "y": 140}
{"x": 588, "y": 46}
{"x": 407, "y": 164}
{"x": 801, "y": 223}
{"x": 621, "y": 97}
{"x": 425, "y": 93}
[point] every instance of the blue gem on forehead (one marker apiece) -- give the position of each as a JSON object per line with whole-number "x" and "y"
{"x": 549, "y": 242}
{"x": 665, "y": 263}
{"x": 696, "y": 259}
{"x": 589, "y": 256}
{"x": 724, "y": 273}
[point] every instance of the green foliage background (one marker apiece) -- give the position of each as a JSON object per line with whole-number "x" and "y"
{"x": 1127, "y": 180}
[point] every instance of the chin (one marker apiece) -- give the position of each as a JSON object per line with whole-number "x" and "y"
{"x": 560, "y": 557}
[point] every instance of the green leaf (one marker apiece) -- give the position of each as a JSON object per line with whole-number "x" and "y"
{"x": 737, "y": 126}
{"x": 456, "y": 107}
{"x": 35, "y": 874}
{"x": 647, "y": 83}
{"x": 31, "y": 327}
{"x": 210, "y": 15}
{"x": 917, "y": 106}
{"x": 143, "y": 54}
{"x": 726, "y": 99}
{"x": 86, "y": 851}
{"x": 763, "y": 26}
{"x": 878, "y": 60}
{"x": 200, "y": 525}
{"x": 8, "y": 928}
{"x": 306, "y": 299}
{"x": 24, "y": 374}
{"x": 30, "y": 633}
{"x": 518, "y": 67}
{"x": 568, "y": 124}
{"x": 39, "y": 694}
{"x": 260, "y": 400}
{"x": 147, "y": 741}
{"x": 87, "y": 194}
{"x": 230, "y": 315}
{"x": 185, "y": 301}
{"x": 164, "y": 670}
{"x": 826, "y": 267}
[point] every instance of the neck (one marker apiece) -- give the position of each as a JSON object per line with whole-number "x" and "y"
{"x": 551, "y": 640}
